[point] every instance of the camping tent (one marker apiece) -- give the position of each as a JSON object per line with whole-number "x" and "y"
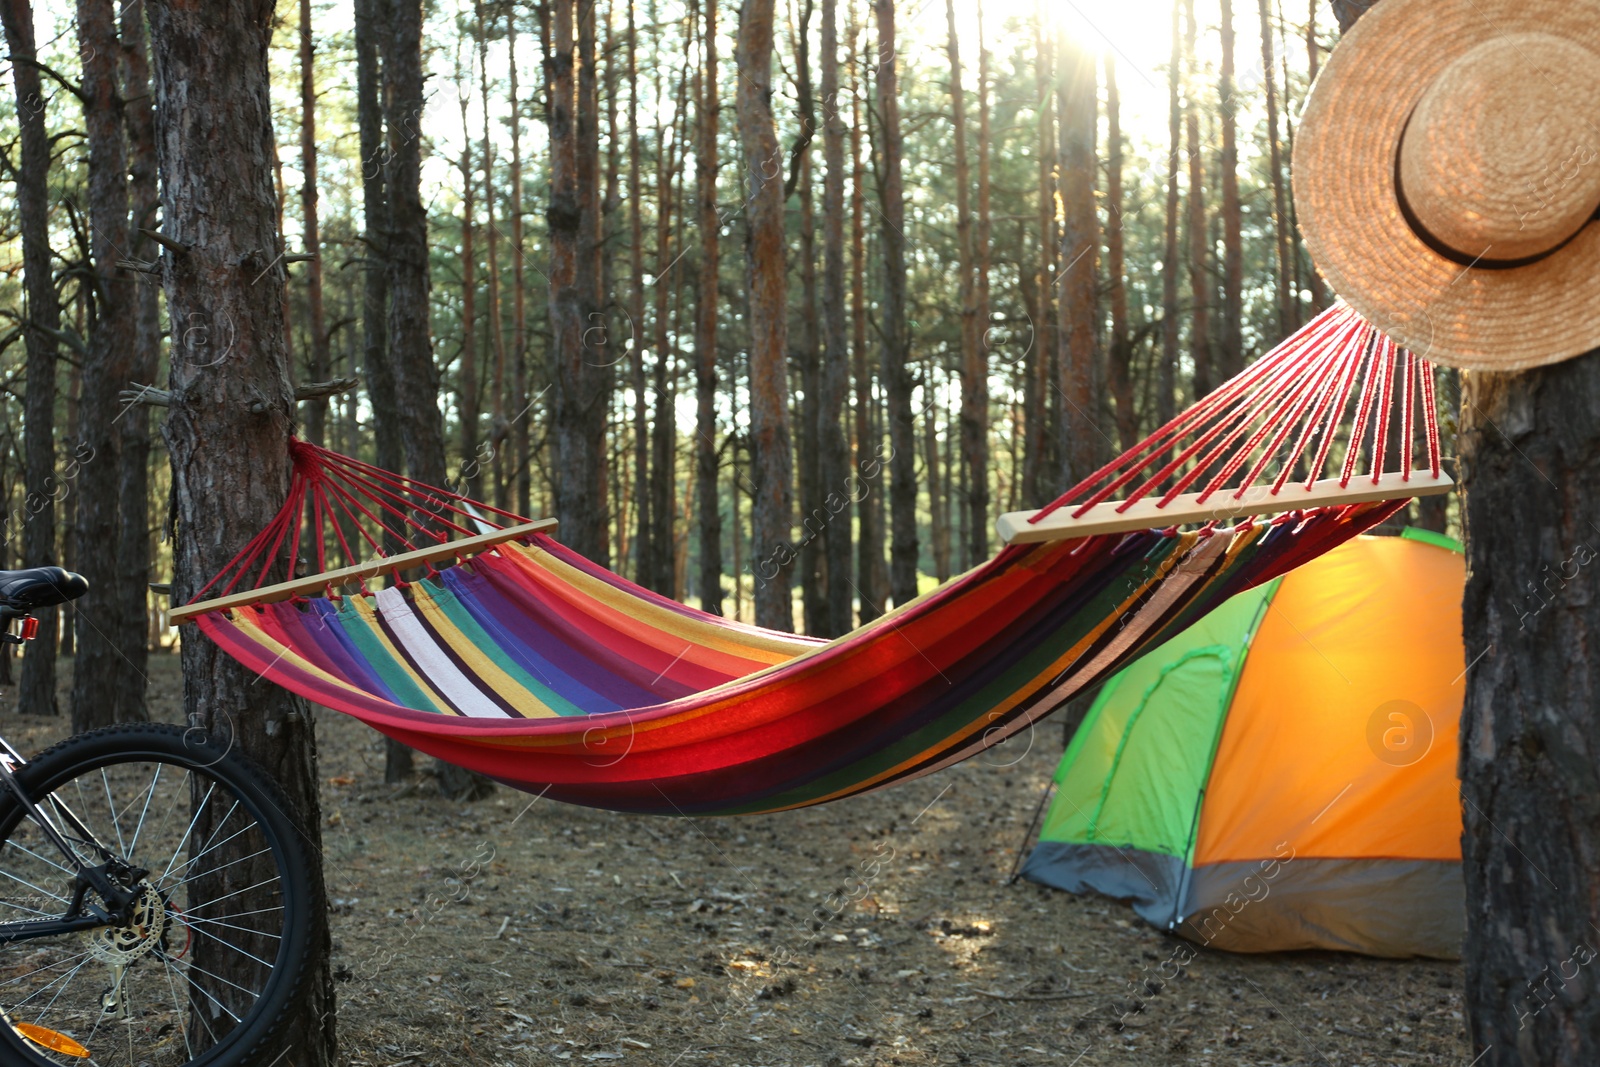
{"x": 1282, "y": 775}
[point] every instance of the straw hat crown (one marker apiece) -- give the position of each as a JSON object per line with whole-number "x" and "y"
{"x": 1447, "y": 177}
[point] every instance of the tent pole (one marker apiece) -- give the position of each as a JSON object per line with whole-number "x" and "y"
{"x": 1027, "y": 836}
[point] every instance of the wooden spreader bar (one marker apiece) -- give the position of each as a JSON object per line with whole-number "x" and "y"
{"x": 315, "y": 583}
{"x": 1015, "y": 529}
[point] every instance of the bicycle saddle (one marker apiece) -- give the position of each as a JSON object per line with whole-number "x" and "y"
{"x": 38, "y": 587}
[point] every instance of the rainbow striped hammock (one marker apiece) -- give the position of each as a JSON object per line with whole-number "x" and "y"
{"x": 519, "y": 659}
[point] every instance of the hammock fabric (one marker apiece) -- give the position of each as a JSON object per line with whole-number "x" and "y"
{"x": 538, "y": 668}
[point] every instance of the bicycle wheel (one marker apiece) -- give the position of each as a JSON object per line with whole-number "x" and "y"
{"x": 206, "y": 960}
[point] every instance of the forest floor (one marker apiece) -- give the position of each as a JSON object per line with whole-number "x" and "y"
{"x": 874, "y": 931}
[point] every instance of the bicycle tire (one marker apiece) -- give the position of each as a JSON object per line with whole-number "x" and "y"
{"x": 254, "y": 1035}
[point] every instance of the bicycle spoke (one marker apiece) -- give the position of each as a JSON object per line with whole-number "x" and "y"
{"x": 230, "y": 926}
{"x": 236, "y": 948}
{"x": 218, "y": 978}
{"x": 227, "y": 896}
{"x": 214, "y": 870}
{"x": 149, "y": 795}
{"x": 191, "y": 861}
{"x": 192, "y": 822}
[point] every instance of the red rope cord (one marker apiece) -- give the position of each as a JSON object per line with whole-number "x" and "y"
{"x": 1368, "y": 389}
{"x": 1380, "y": 428}
{"x": 1315, "y": 389}
{"x": 1158, "y": 442}
{"x": 1431, "y": 416}
{"x": 1266, "y": 402}
{"x": 1230, "y": 423}
{"x": 1408, "y": 445}
{"x": 1349, "y": 353}
{"x": 1361, "y": 345}
{"x": 420, "y": 487}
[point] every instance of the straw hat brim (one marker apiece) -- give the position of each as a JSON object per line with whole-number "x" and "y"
{"x": 1350, "y": 214}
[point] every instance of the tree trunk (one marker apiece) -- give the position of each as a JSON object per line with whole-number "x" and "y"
{"x": 974, "y": 371}
{"x": 1037, "y": 383}
{"x": 904, "y": 550}
{"x": 975, "y": 416}
{"x": 1529, "y": 738}
{"x": 938, "y": 474}
{"x": 107, "y": 362}
{"x": 644, "y": 559}
{"x": 133, "y": 483}
{"x": 1119, "y": 364}
{"x": 372, "y": 21}
{"x": 1231, "y": 357}
{"x": 705, "y": 334}
{"x": 468, "y": 387}
{"x": 772, "y": 463}
{"x": 321, "y": 368}
{"x": 814, "y": 522}
{"x": 580, "y": 363}
{"x": 664, "y": 436}
{"x": 1199, "y": 268}
{"x": 228, "y": 426}
{"x": 521, "y": 477}
{"x": 871, "y": 585}
{"x": 410, "y": 338}
{"x": 1319, "y": 288}
{"x": 1079, "y": 434}
{"x": 494, "y": 326}
{"x": 1167, "y": 373}
{"x": 37, "y": 693}
{"x": 833, "y": 446}
{"x": 1288, "y": 299}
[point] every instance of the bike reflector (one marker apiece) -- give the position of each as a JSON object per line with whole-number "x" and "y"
{"x": 30, "y": 628}
{"x": 49, "y": 1038}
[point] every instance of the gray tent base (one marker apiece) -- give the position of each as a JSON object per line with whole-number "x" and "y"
{"x": 1378, "y": 907}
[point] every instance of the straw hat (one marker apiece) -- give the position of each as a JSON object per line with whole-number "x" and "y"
{"x": 1447, "y": 176}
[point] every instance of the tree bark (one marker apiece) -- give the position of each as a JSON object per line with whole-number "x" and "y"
{"x": 1079, "y": 434}
{"x": 36, "y": 694}
{"x": 1230, "y": 359}
{"x": 97, "y": 670}
{"x": 1529, "y": 738}
{"x": 705, "y": 335}
{"x": 321, "y": 368}
{"x": 133, "y": 483}
{"x": 904, "y": 550}
{"x": 228, "y": 425}
{"x": 772, "y": 463}
{"x": 580, "y": 362}
{"x": 833, "y": 447}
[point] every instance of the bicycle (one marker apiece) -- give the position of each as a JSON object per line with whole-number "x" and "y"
{"x": 155, "y": 897}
